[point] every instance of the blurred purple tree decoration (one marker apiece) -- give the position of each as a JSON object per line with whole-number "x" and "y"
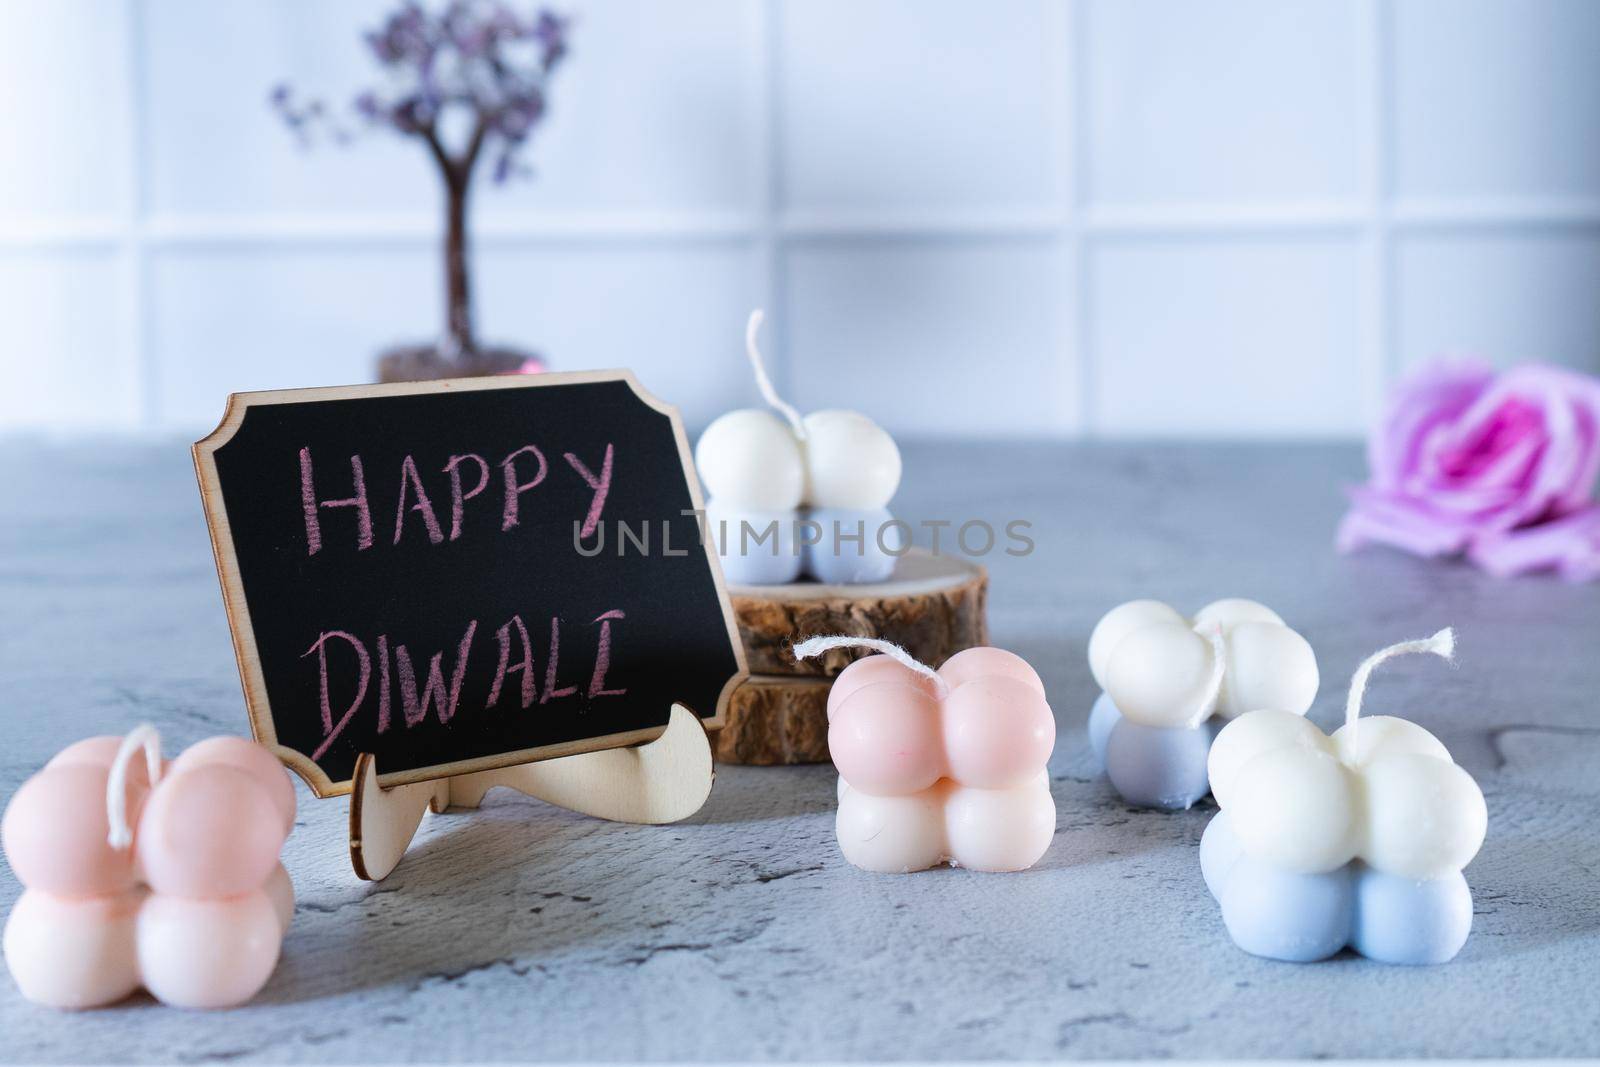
{"x": 469, "y": 82}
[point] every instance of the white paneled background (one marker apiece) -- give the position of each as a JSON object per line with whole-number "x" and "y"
{"x": 1237, "y": 218}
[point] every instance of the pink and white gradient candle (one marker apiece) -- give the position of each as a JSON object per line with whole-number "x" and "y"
{"x": 152, "y": 873}
{"x": 943, "y": 766}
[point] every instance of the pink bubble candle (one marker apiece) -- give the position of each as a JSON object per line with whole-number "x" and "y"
{"x": 149, "y": 873}
{"x": 943, "y": 766}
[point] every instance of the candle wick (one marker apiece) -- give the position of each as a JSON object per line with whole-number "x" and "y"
{"x": 1219, "y": 671}
{"x": 142, "y": 736}
{"x": 1441, "y": 644}
{"x": 816, "y": 646}
{"x": 769, "y": 392}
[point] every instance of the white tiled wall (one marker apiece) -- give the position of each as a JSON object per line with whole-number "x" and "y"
{"x": 1115, "y": 217}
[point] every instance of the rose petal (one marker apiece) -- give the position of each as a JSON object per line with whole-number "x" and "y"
{"x": 1571, "y": 404}
{"x": 1518, "y": 406}
{"x": 1374, "y": 519}
{"x": 1570, "y": 545}
{"x": 1433, "y": 394}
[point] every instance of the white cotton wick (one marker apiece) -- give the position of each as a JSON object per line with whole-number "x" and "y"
{"x": 769, "y": 392}
{"x": 816, "y": 646}
{"x": 142, "y": 736}
{"x": 1219, "y": 670}
{"x": 1442, "y": 644}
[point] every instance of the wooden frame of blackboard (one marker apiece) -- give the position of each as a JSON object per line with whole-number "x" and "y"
{"x": 233, "y": 596}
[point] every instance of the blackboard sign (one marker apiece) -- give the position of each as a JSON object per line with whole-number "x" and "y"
{"x": 462, "y": 575}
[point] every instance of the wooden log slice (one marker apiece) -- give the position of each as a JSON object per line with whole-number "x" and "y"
{"x": 933, "y": 607}
{"x": 776, "y": 720}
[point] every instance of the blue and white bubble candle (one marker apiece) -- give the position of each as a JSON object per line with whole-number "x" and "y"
{"x": 792, "y": 496}
{"x": 1171, "y": 683}
{"x": 1353, "y": 840}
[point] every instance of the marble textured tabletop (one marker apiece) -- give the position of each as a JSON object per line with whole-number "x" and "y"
{"x": 526, "y": 932}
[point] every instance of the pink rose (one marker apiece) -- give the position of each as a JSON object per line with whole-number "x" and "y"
{"x": 1501, "y": 467}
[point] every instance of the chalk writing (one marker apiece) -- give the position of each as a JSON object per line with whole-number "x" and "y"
{"x": 521, "y": 471}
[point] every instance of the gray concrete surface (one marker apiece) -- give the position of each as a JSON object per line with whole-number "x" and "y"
{"x": 525, "y": 932}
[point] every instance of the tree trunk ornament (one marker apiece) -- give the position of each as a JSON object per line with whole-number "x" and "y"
{"x": 474, "y": 68}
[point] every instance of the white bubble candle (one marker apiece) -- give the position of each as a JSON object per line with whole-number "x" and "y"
{"x": 792, "y": 495}
{"x": 1171, "y": 683}
{"x": 1356, "y": 839}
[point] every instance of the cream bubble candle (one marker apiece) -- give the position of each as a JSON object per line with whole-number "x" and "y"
{"x": 1356, "y": 839}
{"x": 943, "y": 766}
{"x": 792, "y": 496}
{"x": 1170, "y": 683}
{"x": 140, "y": 872}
